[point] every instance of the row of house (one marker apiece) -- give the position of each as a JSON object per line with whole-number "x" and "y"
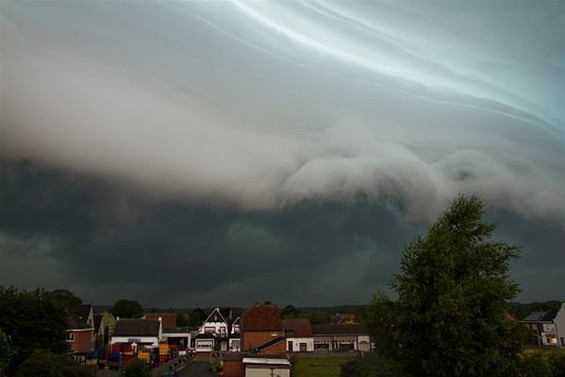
{"x": 264, "y": 329}
{"x": 547, "y": 328}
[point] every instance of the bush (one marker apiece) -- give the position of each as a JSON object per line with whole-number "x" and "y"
{"x": 48, "y": 364}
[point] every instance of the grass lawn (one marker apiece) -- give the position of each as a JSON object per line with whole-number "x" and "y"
{"x": 323, "y": 367}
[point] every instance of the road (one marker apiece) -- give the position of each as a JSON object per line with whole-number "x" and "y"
{"x": 197, "y": 369}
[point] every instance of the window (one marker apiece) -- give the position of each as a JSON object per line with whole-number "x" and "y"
{"x": 209, "y": 329}
{"x": 302, "y": 347}
{"x": 71, "y": 337}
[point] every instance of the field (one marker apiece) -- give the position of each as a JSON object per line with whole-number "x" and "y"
{"x": 322, "y": 367}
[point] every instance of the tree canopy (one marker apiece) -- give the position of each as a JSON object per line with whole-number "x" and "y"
{"x": 48, "y": 364}
{"x": 453, "y": 288}
{"x": 33, "y": 321}
{"x": 127, "y": 309}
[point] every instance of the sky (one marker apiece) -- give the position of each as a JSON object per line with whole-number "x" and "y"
{"x": 194, "y": 153}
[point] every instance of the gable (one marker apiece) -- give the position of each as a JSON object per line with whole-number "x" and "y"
{"x": 215, "y": 316}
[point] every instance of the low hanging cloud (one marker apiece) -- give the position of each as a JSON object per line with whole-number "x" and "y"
{"x": 246, "y": 116}
{"x": 421, "y": 134}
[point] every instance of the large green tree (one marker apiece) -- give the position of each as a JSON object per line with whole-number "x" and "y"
{"x": 33, "y": 321}
{"x": 453, "y": 288}
{"x": 127, "y": 309}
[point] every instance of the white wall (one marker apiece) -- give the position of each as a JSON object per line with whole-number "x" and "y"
{"x": 204, "y": 345}
{"x": 265, "y": 371}
{"x": 364, "y": 343}
{"x": 296, "y": 344}
{"x": 559, "y": 321}
{"x": 138, "y": 339}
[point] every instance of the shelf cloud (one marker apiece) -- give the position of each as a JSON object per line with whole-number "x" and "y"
{"x": 239, "y": 118}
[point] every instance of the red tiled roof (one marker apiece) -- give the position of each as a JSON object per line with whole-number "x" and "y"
{"x": 299, "y": 328}
{"x": 169, "y": 319}
{"x": 261, "y": 317}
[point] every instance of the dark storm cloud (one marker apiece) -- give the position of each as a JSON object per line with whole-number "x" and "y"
{"x": 102, "y": 232}
{"x": 107, "y": 240}
{"x": 204, "y": 151}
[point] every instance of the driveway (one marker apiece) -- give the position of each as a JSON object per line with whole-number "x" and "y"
{"x": 197, "y": 369}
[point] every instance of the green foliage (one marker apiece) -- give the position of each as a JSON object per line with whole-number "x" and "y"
{"x": 66, "y": 298}
{"x": 33, "y": 321}
{"x": 290, "y": 312}
{"x": 137, "y": 368}
{"x": 380, "y": 320}
{"x": 48, "y": 364}
{"x": 127, "y": 309}
{"x": 319, "y": 317}
{"x": 543, "y": 365}
{"x": 182, "y": 320}
{"x": 196, "y": 317}
{"x": 215, "y": 367}
{"x": 453, "y": 289}
{"x": 6, "y": 351}
{"x": 520, "y": 311}
{"x": 371, "y": 365}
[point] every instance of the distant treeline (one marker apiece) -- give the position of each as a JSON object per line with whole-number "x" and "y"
{"x": 520, "y": 311}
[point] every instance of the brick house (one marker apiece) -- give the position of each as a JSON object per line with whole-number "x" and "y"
{"x": 262, "y": 330}
{"x": 81, "y": 337}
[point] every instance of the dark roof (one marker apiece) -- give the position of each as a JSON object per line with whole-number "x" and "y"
{"x": 169, "y": 319}
{"x": 338, "y": 329}
{"x": 79, "y": 316}
{"x": 270, "y": 343}
{"x": 83, "y": 311}
{"x": 299, "y": 328}
{"x": 98, "y": 319}
{"x": 261, "y": 317}
{"x": 139, "y": 327}
{"x": 547, "y": 316}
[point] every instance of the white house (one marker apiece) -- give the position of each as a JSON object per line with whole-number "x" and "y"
{"x": 341, "y": 338}
{"x": 298, "y": 333}
{"x": 213, "y": 333}
{"x": 542, "y": 328}
{"x": 138, "y": 332}
{"x": 559, "y": 322}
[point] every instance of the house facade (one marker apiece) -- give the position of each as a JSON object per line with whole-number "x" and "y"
{"x": 235, "y": 336}
{"x": 298, "y": 333}
{"x": 262, "y": 331}
{"x": 138, "y": 332}
{"x": 542, "y": 329}
{"x": 217, "y": 333}
{"x": 332, "y": 338}
{"x": 81, "y": 337}
{"x": 559, "y": 322}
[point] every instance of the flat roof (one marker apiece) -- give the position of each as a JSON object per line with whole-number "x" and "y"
{"x": 257, "y": 360}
